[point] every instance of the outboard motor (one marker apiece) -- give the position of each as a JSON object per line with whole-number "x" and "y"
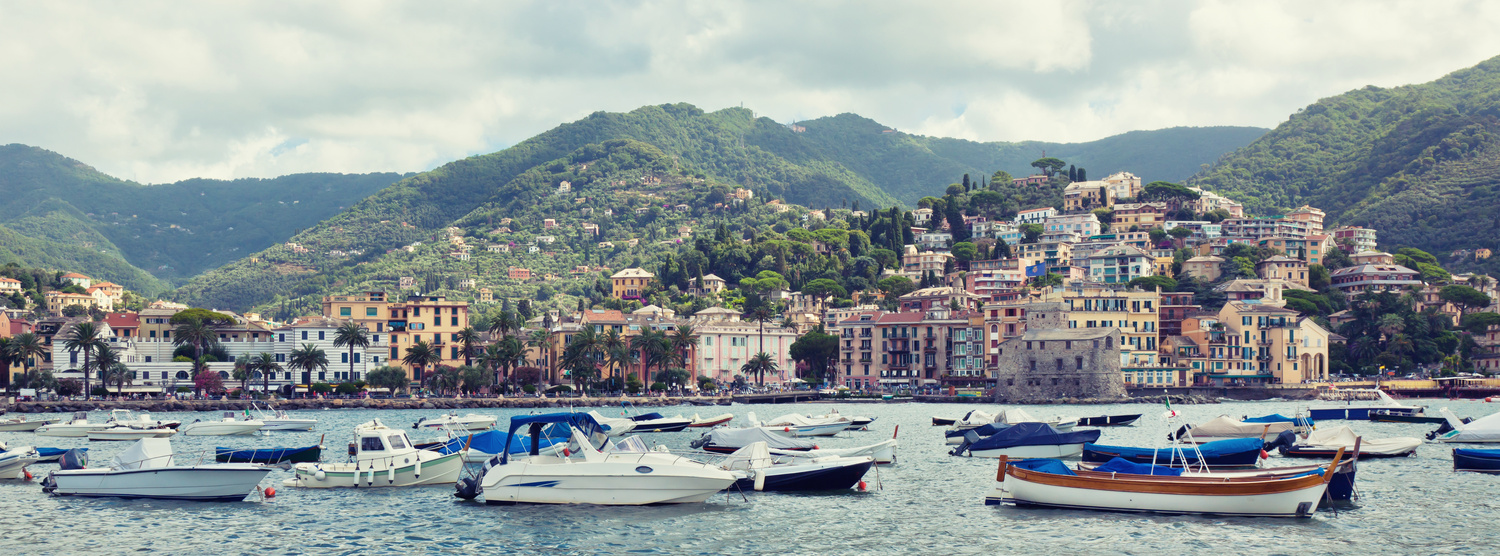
{"x": 1173, "y": 436}
{"x": 1283, "y": 441}
{"x": 468, "y": 488}
{"x": 73, "y": 459}
{"x": 970, "y": 438}
{"x": 700, "y": 442}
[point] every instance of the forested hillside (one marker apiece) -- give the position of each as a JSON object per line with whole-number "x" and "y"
{"x": 1420, "y": 163}
{"x": 172, "y": 231}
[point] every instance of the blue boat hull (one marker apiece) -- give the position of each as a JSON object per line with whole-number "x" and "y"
{"x": 1482, "y": 461}
{"x": 307, "y": 454}
{"x": 1351, "y": 413}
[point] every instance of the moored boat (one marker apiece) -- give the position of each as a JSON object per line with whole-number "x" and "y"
{"x": 1299, "y": 423}
{"x": 793, "y": 424}
{"x": 384, "y": 457}
{"x": 765, "y": 471}
{"x": 1222, "y": 427}
{"x": 655, "y": 422}
{"x": 1049, "y": 483}
{"x": 127, "y": 418}
{"x": 1479, "y": 461}
{"x": 454, "y": 421}
{"x": 305, "y": 454}
{"x": 725, "y": 441}
{"x": 13, "y": 461}
{"x": 699, "y": 422}
{"x": 1386, "y": 416}
{"x": 1233, "y": 452}
{"x": 129, "y": 433}
{"x": 20, "y": 424}
{"x": 1356, "y": 409}
{"x": 1027, "y": 440}
{"x": 53, "y": 454}
{"x": 278, "y": 420}
{"x": 78, "y": 427}
{"x": 227, "y": 425}
{"x": 1483, "y": 430}
{"x": 1323, "y": 443}
{"x": 1109, "y": 420}
{"x": 147, "y": 470}
{"x": 483, "y": 446}
{"x": 1340, "y": 487}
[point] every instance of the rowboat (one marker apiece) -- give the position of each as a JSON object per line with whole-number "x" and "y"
{"x": 1479, "y": 461}
{"x": 269, "y": 455}
{"x": 1049, "y": 483}
{"x": 1233, "y": 452}
{"x": 1340, "y": 487}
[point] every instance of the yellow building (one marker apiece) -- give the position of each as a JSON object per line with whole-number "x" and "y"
{"x": 630, "y": 283}
{"x": 1135, "y": 313}
{"x": 1268, "y": 342}
{"x": 366, "y": 308}
{"x": 429, "y": 318}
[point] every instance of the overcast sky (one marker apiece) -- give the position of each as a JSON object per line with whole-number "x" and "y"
{"x": 162, "y": 91}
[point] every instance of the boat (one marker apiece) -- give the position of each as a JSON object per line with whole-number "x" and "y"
{"x": 488, "y": 444}
{"x": 78, "y": 427}
{"x": 130, "y": 433}
{"x": 611, "y": 425}
{"x": 1232, "y": 452}
{"x": 883, "y": 452}
{"x": 454, "y": 421}
{"x": 1386, "y": 416}
{"x": 699, "y": 422}
{"x": 1222, "y": 427}
{"x": 13, "y": 461}
{"x": 225, "y": 426}
{"x": 127, "y": 418}
{"x": 384, "y": 457}
{"x": 655, "y": 422}
{"x": 943, "y": 421}
{"x": 53, "y": 454}
{"x": 1299, "y": 423}
{"x": 1049, "y": 483}
{"x": 955, "y": 436}
{"x": 856, "y": 423}
{"x": 1340, "y": 487}
{"x": 20, "y": 424}
{"x": 1027, "y": 440}
{"x": 764, "y": 471}
{"x": 972, "y": 420}
{"x": 1016, "y": 416}
{"x": 1350, "y": 411}
{"x": 278, "y": 420}
{"x": 725, "y": 440}
{"x": 793, "y": 424}
{"x": 1109, "y": 420}
{"x": 590, "y": 476}
{"x": 1479, "y": 461}
{"x": 1479, "y": 431}
{"x": 304, "y": 454}
{"x": 147, "y": 470}
{"x": 1328, "y": 440}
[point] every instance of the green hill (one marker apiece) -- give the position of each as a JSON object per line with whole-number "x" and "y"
{"x": 1419, "y": 163}
{"x": 174, "y": 231}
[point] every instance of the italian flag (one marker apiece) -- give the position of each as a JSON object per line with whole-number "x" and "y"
{"x": 1168, "y": 401}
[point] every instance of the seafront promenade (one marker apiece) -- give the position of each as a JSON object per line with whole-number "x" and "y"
{"x": 172, "y": 405}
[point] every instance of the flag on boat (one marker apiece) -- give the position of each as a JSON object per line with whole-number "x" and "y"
{"x": 1171, "y": 413}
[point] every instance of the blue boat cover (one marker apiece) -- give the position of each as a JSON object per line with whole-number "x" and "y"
{"x": 647, "y": 417}
{"x": 490, "y": 442}
{"x": 1279, "y": 418}
{"x": 1210, "y": 450}
{"x": 1033, "y": 434}
{"x": 1476, "y": 453}
{"x": 1118, "y": 465}
{"x": 982, "y": 430}
{"x": 55, "y": 452}
{"x": 261, "y": 454}
{"x": 1044, "y": 465}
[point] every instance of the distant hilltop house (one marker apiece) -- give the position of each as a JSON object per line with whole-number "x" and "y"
{"x": 467, "y": 284}
{"x": 1033, "y": 180}
{"x": 564, "y": 187}
{"x": 518, "y": 273}
{"x": 486, "y": 296}
{"x": 743, "y": 194}
{"x": 590, "y": 228}
{"x": 296, "y": 247}
{"x": 549, "y": 224}
{"x": 505, "y": 221}
{"x": 407, "y": 282}
{"x": 629, "y": 283}
{"x": 545, "y": 239}
{"x": 497, "y": 248}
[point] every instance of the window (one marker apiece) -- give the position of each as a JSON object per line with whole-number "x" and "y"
{"x": 320, "y": 334}
{"x": 1079, "y": 362}
{"x": 182, "y": 375}
{"x": 344, "y": 357}
{"x": 437, "y": 321}
{"x": 1059, "y": 365}
{"x": 371, "y": 444}
{"x": 345, "y": 311}
{"x": 375, "y": 338}
{"x": 455, "y": 319}
{"x": 304, "y": 334}
{"x": 1033, "y": 365}
{"x": 396, "y": 443}
{"x": 708, "y": 341}
{"x": 369, "y": 311}
{"x": 322, "y": 376}
{"x": 281, "y": 358}
{"x": 148, "y": 360}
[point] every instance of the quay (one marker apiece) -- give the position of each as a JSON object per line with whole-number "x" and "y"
{"x": 160, "y": 406}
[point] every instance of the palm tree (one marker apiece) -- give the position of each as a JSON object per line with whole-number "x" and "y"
{"x": 685, "y": 345}
{"x": 111, "y": 370}
{"x": 491, "y": 359}
{"x": 6, "y": 360}
{"x": 265, "y": 364}
{"x": 352, "y": 335}
{"x": 759, "y": 365}
{"x": 619, "y": 357}
{"x": 84, "y": 337}
{"x": 509, "y": 350}
{"x": 761, "y": 315}
{"x": 504, "y": 323}
{"x": 468, "y": 339}
{"x": 26, "y": 348}
{"x": 654, "y": 349}
{"x": 194, "y": 332}
{"x": 580, "y": 354}
{"x": 307, "y": 358}
{"x": 419, "y": 355}
{"x": 1391, "y": 324}
{"x": 610, "y": 345}
{"x": 242, "y": 373}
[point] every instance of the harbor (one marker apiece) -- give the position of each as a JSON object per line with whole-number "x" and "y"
{"x": 934, "y": 502}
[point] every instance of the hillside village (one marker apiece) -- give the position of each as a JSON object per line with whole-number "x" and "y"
{"x": 612, "y": 270}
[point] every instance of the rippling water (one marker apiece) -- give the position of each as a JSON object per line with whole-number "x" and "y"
{"x": 927, "y": 503}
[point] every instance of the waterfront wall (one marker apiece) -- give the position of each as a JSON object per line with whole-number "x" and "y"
{"x": 160, "y": 406}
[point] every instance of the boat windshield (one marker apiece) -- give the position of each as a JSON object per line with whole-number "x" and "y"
{"x": 371, "y": 444}
{"x": 396, "y": 442}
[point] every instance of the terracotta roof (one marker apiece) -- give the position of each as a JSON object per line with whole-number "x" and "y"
{"x": 125, "y": 320}
{"x": 74, "y": 275}
{"x": 4, "y": 279}
{"x": 900, "y": 318}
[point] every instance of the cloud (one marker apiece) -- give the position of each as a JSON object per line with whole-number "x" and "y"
{"x": 161, "y": 91}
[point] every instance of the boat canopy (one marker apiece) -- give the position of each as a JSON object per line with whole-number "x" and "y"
{"x": 1279, "y": 418}
{"x": 1033, "y": 434}
{"x": 1333, "y": 438}
{"x": 1210, "y": 450}
{"x": 493, "y": 441}
{"x": 1044, "y": 465}
{"x": 1227, "y": 427}
{"x": 146, "y": 453}
{"x": 582, "y": 422}
{"x": 745, "y": 437}
{"x": 755, "y": 455}
{"x": 1483, "y": 429}
{"x": 982, "y": 430}
{"x": 1118, "y": 465}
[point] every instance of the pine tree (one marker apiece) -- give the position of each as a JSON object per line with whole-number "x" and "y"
{"x": 966, "y": 183}
{"x": 1072, "y": 173}
{"x": 1083, "y": 175}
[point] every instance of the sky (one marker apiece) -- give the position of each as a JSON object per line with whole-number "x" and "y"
{"x": 162, "y": 91}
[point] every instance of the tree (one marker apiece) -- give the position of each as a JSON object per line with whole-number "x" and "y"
{"x": 685, "y": 344}
{"x": 1030, "y": 233}
{"x": 1002, "y": 249}
{"x": 1464, "y": 297}
{"x": 468, "y": 340}
{"x": 760, "y": 316}
{"x": 265, "y": 364}
{"x": 542, "y": 341}
{"x": 1050, "y": 279}
{"x": 1150, "y": 283}
{"x": 419, "y": 356}
{"x": 84, "y": 336}
{"x": 1001, "y": 178}
{"x": 824, "y": 288}
{"x": 242, "y": 374}
{"x": 308, "y": 358}
{"x": 352, "y": 335}
{"x": 26, "y": 349}
{"x": 1157, "y": 235}
{"x": 818, "y": 350}
{"x": 1318, "y": 277}
{"x": 111, "y": 367}
{"x": 758, "y": 365}
{"x": 471, "y": 379}
{"x": 390, "y": 378}
{"x": 194, "y": 332}
{"x": 1180, "y": 232}
{"x": 895, "y": 286}
{"x": 654, "y": 347}
{"x": 207, "y": 381}
{"x": 1048, "y": 166}
{"x": 964, "y": 252}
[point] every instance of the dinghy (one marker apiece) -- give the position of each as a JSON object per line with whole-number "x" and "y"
{"x": 1223, "y": 427}
{"x": 764, "y": 471}
{"x": 147, "y": 470}
{"x": 1027, "y": 440}
{"x": 655, "y": 422}
{"x": 590, "y": 476}
{"x": 725, "y": 441}
{"x": 793, "y": 424}
{"x": 50, "y": 455}
{"x": 1325, "y": 442}
{"x": 1049, "y": 483}
{"x": 714, "y": 421}
{"x": 1109, "y": 420}
{"x": 1479, "y": 461}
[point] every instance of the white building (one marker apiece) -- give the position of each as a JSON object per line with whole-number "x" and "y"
{"x": 1035, "y": 216}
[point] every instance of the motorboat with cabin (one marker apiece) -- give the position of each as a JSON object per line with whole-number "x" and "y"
{"x": 454, "y": 421}
{"x": 612, "y": 426}
{"x": 78, "y": 427}
{"x": 128, "y": 418}
{"x": 148, "y": 469}
{"x": 589, "y": 475}
{"x": 227, "y": 425}
{"x": 1358, "y": 403}
{"x": 383, "y": 457}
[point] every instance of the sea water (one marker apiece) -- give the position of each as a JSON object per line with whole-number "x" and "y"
{"x": 927, "y": 503}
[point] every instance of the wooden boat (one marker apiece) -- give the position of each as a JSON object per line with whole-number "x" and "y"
{"x": 943, "y": 421}
{"x": 1340, "y": 488}
{"x": 1049, "y": 483}
{"x": 1479, "y": 461}
{"x": 1109, "y": 420}
{"x": 714, "y": 421}
{"x": 306, "y": 454}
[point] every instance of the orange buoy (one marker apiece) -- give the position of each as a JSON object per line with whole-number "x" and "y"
{"x": 786, "y": 429}
{"x": 28, "y": 473}
{"x": 270, "y": 492}
{"x": 1264, "y": 455}
{"x": 861, "y": 485}
{"x": 565, "y": 452}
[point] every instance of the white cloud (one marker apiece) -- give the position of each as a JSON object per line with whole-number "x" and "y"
{"x": 161, "y": 91}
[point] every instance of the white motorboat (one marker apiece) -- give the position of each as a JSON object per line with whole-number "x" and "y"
{"x": 1324, "y": 442}
{"x": 763, "y": 470}
{"x": 126, "y": 418}
{"x": 702, "y": 422}
{"x": 883, "y": 452}
{"x": 228, "y": 425}
{"x": 13, "y": 461}
{"x": 1483, "y": 430}
{"x": 1223, "y": 427}
{"x": 383, "y": 457}
{"x": 611, "y": 425}
{"x": 655, "y": 422}
{"x": 20, "y": 424}
{"x": 130, "y": 433}
{"x": 78, "y": 427}
{"x": 726, "y": 440}
{"x": 589, "y": 476}
{"x": 796, "y": 425}
{"x": 1016, "y": 416}
{"x": 280, "y": 421}
{"x": 147, "y": 470}
{"x": 456, "y": 422}
{"x": 856, "y": 423}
